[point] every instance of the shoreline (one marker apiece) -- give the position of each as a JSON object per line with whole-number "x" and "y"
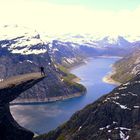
{"x": 107, "y": 56}
{"x": 76, "y": 65}
{"x": 106, "y": 79}
{"x": 53, "y": 99}
{"x": 76, "y": 80}
{"x": 109, "y": 80}
{"x": 47, "y": 100}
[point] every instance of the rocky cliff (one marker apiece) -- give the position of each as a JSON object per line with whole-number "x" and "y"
{"x": 22, "y": 51}
{"x": 10, "y": 89}
{"x": 115, "y": 116}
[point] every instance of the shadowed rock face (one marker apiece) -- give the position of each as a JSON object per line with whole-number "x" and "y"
{"x": 115, "y": 116}
{"x": 10, "y": 89}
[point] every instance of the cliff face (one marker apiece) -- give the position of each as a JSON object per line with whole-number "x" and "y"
{"x": 52, "y": 87}
{"x": 10, "y": 89}
{"x": 115, "y": 116}
{"x": 23, "y": 50}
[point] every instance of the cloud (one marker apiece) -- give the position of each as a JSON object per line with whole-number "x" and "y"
{"x": 53, "y": 18}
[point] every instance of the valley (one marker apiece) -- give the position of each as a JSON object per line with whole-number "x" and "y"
{"x": 74, "y": 66}
{"x": 49, "y": 115}
{"x": 24, "y": 50}
{"x": 70, "y": 70}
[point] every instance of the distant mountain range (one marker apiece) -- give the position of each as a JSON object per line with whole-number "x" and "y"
{"x": 23, "y": 50}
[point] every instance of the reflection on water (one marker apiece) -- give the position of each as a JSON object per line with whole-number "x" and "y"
{"x": 44, "y": 117}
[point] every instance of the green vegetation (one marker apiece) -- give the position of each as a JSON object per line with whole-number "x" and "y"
{"x": 62, "y": 68}
{"x": 69, "y": 80}
{"x": 67, "y": 76}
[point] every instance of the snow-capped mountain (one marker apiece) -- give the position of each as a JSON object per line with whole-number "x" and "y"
{"x": 23, "y": 50}
{"x": 90, "y": 45}
{"x": 95, "y": 40}
{"x": 64, "y": 49}
{"x": 21, "y": 40}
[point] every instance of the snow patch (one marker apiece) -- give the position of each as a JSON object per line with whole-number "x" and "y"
{"x": 121, "y": 106}
{"x": 1, "y": 80}
{"x": 29, "y": 61}
{"x": 136, "y": 82}
{"x": 79, "y": 128}
{"x": 117, "y": 93}
{"x": 109, "y": 131}
{"x": 136, "y": 107}
{"x": 128, "y": 83}
{"x": 121, "y": 88}
{"x": 106, "y": 127}
{"x": 132, "y": 94}
{"x": 123, "y": 136}
{"x": 69, "y": 60}
{"x": 26, "y": 51}
{"x": 123, "y": 128}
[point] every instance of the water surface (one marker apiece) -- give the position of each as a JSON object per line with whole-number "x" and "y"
{"x": 41, "y": 118}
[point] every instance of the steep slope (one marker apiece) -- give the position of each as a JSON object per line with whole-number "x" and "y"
{"x": 127, "y": 67}
{"x": 72, "y": 50}
{"x": 26, "y": 53}
{"x": 64, "y": 53}
{"x": 115, "y": 116}
{"x": 10, "y": 89}
{"x": 24, "y": 50}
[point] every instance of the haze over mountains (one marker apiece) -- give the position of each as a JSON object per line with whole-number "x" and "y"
{"x": 21, "y": 37}
{"x": 23, "y": 50}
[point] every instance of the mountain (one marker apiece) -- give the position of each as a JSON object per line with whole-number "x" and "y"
{"x": 67, "y": 50}
{"x": 88, "y": 46}
{"x": 23, "y": 51}
{"x": 127, "y": 67}
{"x": 115, "y": 116}
{"x": 10, "y": 89}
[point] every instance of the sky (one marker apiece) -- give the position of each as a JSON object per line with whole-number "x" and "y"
{"x": 110, "y": 17}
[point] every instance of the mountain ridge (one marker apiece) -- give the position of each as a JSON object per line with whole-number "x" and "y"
{"x": 127, "y": 67}
{"x": 23, "y": 50}
{"x": 113, "y": 116}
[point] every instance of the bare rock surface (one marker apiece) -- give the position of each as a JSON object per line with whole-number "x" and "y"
{"x": 10, "y": 89}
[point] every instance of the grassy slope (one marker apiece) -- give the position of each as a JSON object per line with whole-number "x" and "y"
{"x": 69, "y": 80}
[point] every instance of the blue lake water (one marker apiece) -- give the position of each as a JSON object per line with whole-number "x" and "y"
{"x": 45, "y": 117}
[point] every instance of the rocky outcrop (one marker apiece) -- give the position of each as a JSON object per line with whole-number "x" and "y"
{"x": 10, "y": 89}
{"x": 115, "y": 116}
{"x": 50, "y": 88}
{"x": 23, "y": 50}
